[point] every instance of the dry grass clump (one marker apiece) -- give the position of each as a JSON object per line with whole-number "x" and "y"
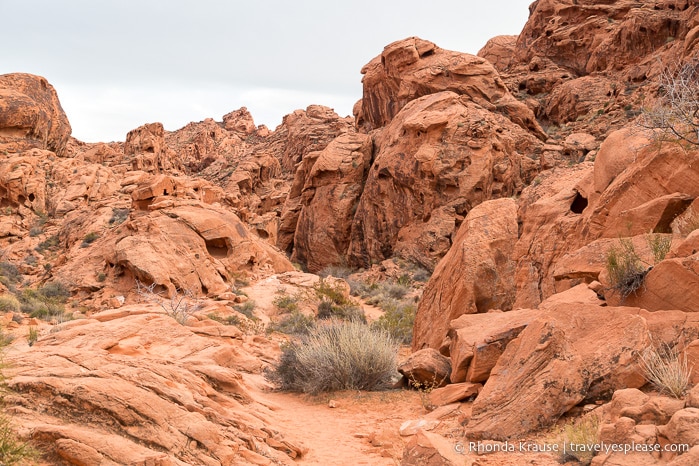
{"x": 625, "y": 268}
{"x": 577, "y": 439}
{"x": 336, "y": 356}
{"x": 667, "y": 369}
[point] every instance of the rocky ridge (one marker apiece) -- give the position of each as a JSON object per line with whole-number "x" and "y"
{"x": 510, "y": 175}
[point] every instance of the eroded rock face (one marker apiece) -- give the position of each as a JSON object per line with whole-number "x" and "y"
{"x": 324, "y": 198}
{"x": 412, "y": 68}
{"x": 31, "y": 115}
{"x": 190, "y": 247}
{"x": 139, "y": 388}
{"x": 476, "y": 275}
{"x": 584, "y": 36}
{"x": 437, "y": 159}
{"x": 569, "y": 355}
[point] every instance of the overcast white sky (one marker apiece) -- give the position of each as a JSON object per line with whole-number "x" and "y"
{"x": 121, "y": 63}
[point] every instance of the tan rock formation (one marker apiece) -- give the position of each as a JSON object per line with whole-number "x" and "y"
{"x": 31, "y": 115}
{"x": 436, "y": 160}
{"x": 412, "y": 68}
{"x": 476, "y": 275}
{"x": 324, "y": 196}
{"x": 142, "y": 389}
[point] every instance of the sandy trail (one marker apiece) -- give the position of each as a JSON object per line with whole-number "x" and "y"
{"x": 361, "y": 430}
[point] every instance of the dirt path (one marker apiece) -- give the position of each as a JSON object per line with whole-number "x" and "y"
{"x": 361, "y": 430}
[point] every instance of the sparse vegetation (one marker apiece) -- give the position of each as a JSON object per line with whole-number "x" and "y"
{"x": 337, "y": 271}
{"x": 667, "y": 369}
{"x": 9, "y": 274}
{"x": 89, "y": 238}
{"x": 676, "y": 111}
{"x": 49, "y": 244}
{"x": 33, "y": 335}
{"x": 336, "y": 356}
{"x": 578, "y": 438}
{"x": 335, "y": 304}
{"x": 625, "y": 268}
{"x": 398, "y": 319}
{"x": 118, "y": 216}
{"x": 294, "y": 323}
{"x": 247, "y": 309}
{"x": 182, "y": 305}
{"x": 627, "y": 271}
{"x": 9, "y": 303}
{"x": 47, "y": 302}
{"x": 659, "y": 246}
{"x": 286, "y": 303}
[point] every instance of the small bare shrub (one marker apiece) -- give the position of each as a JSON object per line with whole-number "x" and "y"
{"x": 294, "y": 323}
{"x": 182, "y": 305}
{"x": 577, "y": 439}
{"x": 667, "y": 369}
{"x": 337, "y": 356}
{"x": 625, "y": 268}
{"x": 286, "y": 303}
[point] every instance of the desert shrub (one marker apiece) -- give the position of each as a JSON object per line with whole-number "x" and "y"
{"x": 33, "y": 335}
{"x": 247, "y": 309}
{"x": 347, "y": 311}
{"x": 9, "y": 274}
{"x": 56, "y": 291}
{"x": 398, "y": 319}
{"x": 421, "y": 275}
{"x": 118, "y": 216}
{"x": 625, "y": 268}
{"x": 180, "y": 306}
{"x": 89, "y": 238}
{"x": 46, "y": 302}
{"x": 286, "y": 303}
{"x": 577, "y": 439}
{"x": 50, "y": 244}
{"x": 12, "y": 449}
{"x": 335, "y": 293}
{"x": 666, "y": 368}
{"x": 659, "y": 246}
{"x": 337, "y": 356}
{"x": 295, "y": 323}
{"x": 9, "y": 303}
{"x": 396, "y": 290}
{"x": 337, "y": 271}
{"x": 35, "y": 231}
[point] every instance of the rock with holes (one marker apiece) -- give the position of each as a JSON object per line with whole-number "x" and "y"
{"x": 189, "y": 246}
{"x": 31, "y": 115}
{"x": 437, "y": 159}
{"x": 476, "y": 275}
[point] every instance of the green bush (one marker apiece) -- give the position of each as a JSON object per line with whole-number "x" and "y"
{"x": 247, "y": 309}
{"x": 286, "y": 303}
{"x": 295, "y": 323}
{"x": 348, "y": 311}
{"x": 46, "y": 302}
{"x": 89, "y": 239}
{"x": 118, "y": 216}
{"x": 625, "y": 268}
{"x": 337, "y": 356}
{"x": 659, "y": 245}
{"x": 398, "y": 319}
{"x": 9, "y": 303}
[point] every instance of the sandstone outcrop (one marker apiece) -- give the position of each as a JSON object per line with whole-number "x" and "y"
{"x": 568, "y": 356}
{"x": 435, "y": 161}
{"x": 476, "y": 275}
{"x": 141, "y": 388}
{"x": 31, "y": 115}
{"x": 413, "y": 67}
